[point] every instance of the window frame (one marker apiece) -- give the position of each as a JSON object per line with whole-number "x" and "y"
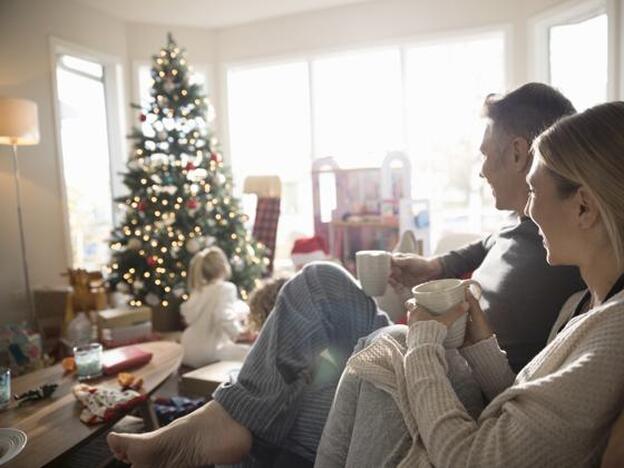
{"x": 569, "y": 12}
{"x": 504, "y": 30}
{"x": 115, "y": 117}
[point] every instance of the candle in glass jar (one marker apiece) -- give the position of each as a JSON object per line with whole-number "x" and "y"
{"x": 88, "y": 361}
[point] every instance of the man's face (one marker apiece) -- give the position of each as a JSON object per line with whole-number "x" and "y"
{"x": 496, "y": 168}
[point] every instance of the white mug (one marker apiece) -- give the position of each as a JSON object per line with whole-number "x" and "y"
{"x": 373, "y": 271}
{"x": 439, "y": 296}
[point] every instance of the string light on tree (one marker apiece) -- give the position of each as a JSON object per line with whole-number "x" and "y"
{"x": 181, "y": 198}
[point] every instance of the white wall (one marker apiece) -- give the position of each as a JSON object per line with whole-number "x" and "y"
{"x": 25, "y": 27}
{"x": 373, "y": 22}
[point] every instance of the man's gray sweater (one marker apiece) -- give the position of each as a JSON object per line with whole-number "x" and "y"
{"x": 522, "y": 294}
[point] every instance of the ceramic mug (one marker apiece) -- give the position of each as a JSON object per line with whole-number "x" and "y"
{"x": 439, "y": 296}
{"x": 373, "y": 271}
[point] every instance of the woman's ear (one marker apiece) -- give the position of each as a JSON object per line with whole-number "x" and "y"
{"x": 522, "y": 157}
{"x": 587, "y": 208}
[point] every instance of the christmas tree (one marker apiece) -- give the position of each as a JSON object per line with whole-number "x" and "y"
{"x": 180, "y": 195}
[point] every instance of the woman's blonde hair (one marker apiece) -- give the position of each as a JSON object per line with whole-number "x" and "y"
{"x": 206, "y": 266}
{"x": 587, "y": 149}
{"x": 262, "y": 300}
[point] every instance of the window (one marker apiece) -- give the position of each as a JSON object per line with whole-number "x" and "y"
{"x": 357, "y": 101}
{"x": 571, "y": 50}
{"x": 446, "y": 84}
{"x": 84, "y": 138}
{"x": 578, "y": 60}
{"x": 358, "y": 106}
{"x": 269, "y": 129}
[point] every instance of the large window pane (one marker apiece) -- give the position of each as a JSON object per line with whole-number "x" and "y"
{"x": 269, "y": 129}
{"x": 86, "y": 161}
{"x": 446, "y": 85}
{"x": 578, "y": 60}
{"x": 357, "y": 107}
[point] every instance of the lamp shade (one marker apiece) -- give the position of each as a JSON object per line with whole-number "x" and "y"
{"x": 19, "y": 123}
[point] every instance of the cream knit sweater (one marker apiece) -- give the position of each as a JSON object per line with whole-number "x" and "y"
{"x": 555, "y": 413}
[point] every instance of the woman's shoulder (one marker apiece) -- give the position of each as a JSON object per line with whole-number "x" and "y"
{"x": 608, "y": 316}
{"x": 613, "y": 305}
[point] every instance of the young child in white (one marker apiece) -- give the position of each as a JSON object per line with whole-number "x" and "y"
{"x": 213, "y": 314}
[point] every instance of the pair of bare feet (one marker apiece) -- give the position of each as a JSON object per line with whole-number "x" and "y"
{"x": 207, "y": 436}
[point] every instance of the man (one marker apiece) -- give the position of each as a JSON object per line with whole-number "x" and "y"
{"x": 510, "y": 265}
{"x": 275, "y": 413}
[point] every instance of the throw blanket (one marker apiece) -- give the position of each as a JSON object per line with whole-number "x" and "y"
{"x": 381, "y": 364}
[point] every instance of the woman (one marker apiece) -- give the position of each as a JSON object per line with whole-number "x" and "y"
{"x": 558, "y": 410}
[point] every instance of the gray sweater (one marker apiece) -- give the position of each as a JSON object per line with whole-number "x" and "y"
{"x": 522, "y": 294}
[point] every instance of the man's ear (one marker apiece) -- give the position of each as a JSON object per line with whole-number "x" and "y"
{"x": 522, "y": 157}
{"x": 586, "y": 208}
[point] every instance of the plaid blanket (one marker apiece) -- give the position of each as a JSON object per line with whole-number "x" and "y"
{"x": 265, "y": 225}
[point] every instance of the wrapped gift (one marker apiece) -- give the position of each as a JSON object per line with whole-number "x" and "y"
{"x": 123, "y": 317}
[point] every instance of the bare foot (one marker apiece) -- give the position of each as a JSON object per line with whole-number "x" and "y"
{"x": 207, "y": 436}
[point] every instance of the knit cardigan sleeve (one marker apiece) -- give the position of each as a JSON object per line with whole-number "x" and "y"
{"x": 556, "y": 418}
{"x": 489, "y": 363}
{"x": 489, "y": 366}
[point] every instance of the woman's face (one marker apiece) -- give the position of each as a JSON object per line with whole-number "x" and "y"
{"x": 555, "y": 215}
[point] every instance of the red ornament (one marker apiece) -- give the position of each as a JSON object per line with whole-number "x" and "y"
{"x": 189, "y": 166}
{"x": 216, "y": 157}
{"x": 141, "y": 206}
{"x": 192, "y": 204}
{"x": 151, "y": 261}
{"x": 143, "y": 117}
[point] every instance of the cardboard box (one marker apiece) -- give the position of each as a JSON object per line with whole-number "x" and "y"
{"x": 123, "y": 317}
{"x": 53, "y": 311}
{"x": 129, "y": 333}
{"x": 205, "y": 380}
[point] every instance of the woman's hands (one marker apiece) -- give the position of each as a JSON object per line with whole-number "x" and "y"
{"x": 417, "y": 313}
{"x": 477, "y": 328}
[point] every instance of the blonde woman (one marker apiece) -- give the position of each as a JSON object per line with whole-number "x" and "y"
{"x": 558, "y": 410}
{"x": 213, "y": 314}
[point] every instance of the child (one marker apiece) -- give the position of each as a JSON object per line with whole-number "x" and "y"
{"x": 213, "y": 313}
{"x": 262, "y": 301}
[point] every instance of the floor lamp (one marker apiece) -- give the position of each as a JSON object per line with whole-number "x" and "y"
{"x": 19, "y": 126}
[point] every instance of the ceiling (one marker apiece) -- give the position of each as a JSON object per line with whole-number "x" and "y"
{"x": 208, "y": 13}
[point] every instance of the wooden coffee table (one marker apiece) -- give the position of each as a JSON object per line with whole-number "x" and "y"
{"x": 53, "y": 425}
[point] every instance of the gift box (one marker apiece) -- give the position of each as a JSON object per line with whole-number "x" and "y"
{"x": 123, "y": 317}
{"x": 53, "y": 311}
